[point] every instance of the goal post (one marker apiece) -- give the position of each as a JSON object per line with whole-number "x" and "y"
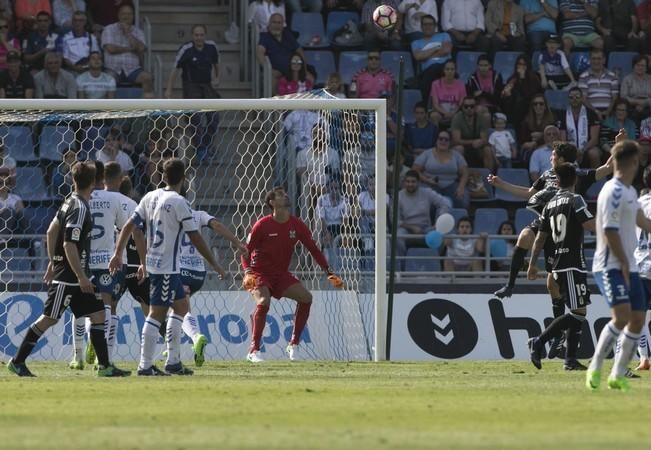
{"x": 251, "y": 170}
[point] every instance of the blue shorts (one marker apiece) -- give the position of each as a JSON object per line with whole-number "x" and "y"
{"x": 193, "y": 279}
{"x": 647, "y": 291}
{"x": 612, "y": 287}
{"x": 105, "y": 283}
{"x": 164, "y": 289}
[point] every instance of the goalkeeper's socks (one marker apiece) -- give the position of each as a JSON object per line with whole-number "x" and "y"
{"x": 624, "y": 356}
{"x": 607, "y": 339}
{"x": 98, "y": 339}
{"x": 258, "y": 320}
{"x": 79, "y": 325}
{"x": 190, "y": 327}
{"x": 558, "y": 307}
{"x": 517, "y": 260}
{"x": 115, "y": 320}
{"x": 28, "y": 344}
{"x": 300, "y": 319}
{"x": 173, "y": 339}
{"x": 148, "y": 344}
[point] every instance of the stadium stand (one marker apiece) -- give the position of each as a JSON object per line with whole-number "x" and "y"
{"x": 488, "y": 219}
{"x": 18, "y": 142}
{"x": 323, "y": 62}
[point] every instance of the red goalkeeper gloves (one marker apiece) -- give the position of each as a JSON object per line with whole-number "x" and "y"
{"x": 249, "y": 282}
{"x": 336, "y": 282}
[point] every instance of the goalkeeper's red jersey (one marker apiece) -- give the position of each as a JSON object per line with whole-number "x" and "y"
{"x": 271, "y": 245}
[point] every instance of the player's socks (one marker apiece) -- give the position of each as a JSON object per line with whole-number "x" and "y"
{"x": 300, "y": 319}
{"x": 258, "y": 320}
{"x": 173, "y": 339}
{"x": 607, "y": 340}
{"x": 574, "y": 337}
{"x": 642, "y": 346}
{"x": 107, "y": 321}
{"x": 115, "y": 320}
{"x": 556, "y": 328}
{"x": 624, "y": 356}
{"x": 190, "y": 327}
{"x": 558, "y": 307}
{"x": 148, "y": 343}
{"x": 517, "y": 261}
{"x": 99, "y": 343}
{"x": 79, "y": 325}
{"x": 28, "y": 344}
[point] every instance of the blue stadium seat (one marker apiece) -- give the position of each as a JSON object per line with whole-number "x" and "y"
{"x": 18, "y": 142}
{"x": 30, "y": 184}
{"x": 410, "y": 98}
{"x": 422, "y": 265}
{"x": 519, "y": 177}
{"x": 350, "y": 63}
{"x": 323, "y": 62}
{"x": 466, "y": 64}
{"x": 579, "y": 62}
{"x": 391, "y": 62}
{"x": 55, "y": 140}
{"x": 534, "y": 60}
{"x": 504, "y": 63}
{"x": 15, "y": 260}
{"x": 593, "y": 191}
{"x": 337, "y": 19}
{"x": 92, "y": 140}
{"x": 38, "y": 219}
{"x": 483, "y": 173}
{"x": 458, "y": 213}
{"x": 128, "y": 92}
{"x": 309, "y": 25}
{"x": 523, "y": 217}
{"x": 621, "y": 63}
{"x": 588, "y": 253}
{"x": 489, "y": 219}
{"x": 557, "y": 100}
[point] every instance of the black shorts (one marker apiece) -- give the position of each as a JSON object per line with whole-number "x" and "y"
{"x": 139, "y": 291}
{"x": 548, "y": 250}
{"x": 60, "y": 296}
{"x": 574, "y": 288}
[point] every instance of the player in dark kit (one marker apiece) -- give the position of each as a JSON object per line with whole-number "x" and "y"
{"x": 68, "y": 249}
{"x": 562, "y": 223}
{"x": 271, "y": 246}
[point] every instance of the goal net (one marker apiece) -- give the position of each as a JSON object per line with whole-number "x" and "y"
{"x": 325, "y": 151}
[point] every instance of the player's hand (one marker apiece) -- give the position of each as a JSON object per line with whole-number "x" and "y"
{"x": 49, "y": 274}
{"x": 115, "y": 264}
{"x": 493, "y": 180}
{"x": 141, "y": 274}
{"x": 336, "y": 281}
{"x": 86, "y": 286}
{"x": 249, "y": 282}
{"x": 532, "y": 273}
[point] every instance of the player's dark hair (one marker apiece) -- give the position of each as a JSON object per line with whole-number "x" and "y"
{"x": 126, "y": 186}
{"x": 112, "y": 170}
{"x": 173, "y": 171}
{"x": 271, "y": 195}
{"x": 566, "y": 151}
{"x": 99, "y": 172}
{"x": 623, "y": 152}
{"x": 83, "y": 174}
{"x": 412, "y": 174}
{"x": 566, "y": 175}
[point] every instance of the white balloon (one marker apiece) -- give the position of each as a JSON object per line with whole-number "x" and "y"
{"x": 444, "y": 223}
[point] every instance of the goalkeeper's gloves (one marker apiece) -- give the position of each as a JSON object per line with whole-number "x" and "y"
{"x": 250, "y": 281}
{"x": 334, "y": 280}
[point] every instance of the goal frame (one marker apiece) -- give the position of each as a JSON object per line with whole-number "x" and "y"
{"x": 266, "y": 104}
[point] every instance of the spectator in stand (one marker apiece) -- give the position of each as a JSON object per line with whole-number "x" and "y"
{"x": 39, "y": 42}
{"x": 431, "y": 52}
{"x": 6, "y": 10}
{"x": 420, "y": 135}
{"x": 519, "y": 88}
{"x": 366, "y": 201}
{"x": 261, "y": 10}
{"x": 412, "y": 12}
{"x": 636, "y": 88}
{"x": 7, "y": 162}
{"x": 104, "y": 12}
{"x": 645, "y": 128}
{"x": 11, "y": 206}
{"x": 112, "y": 152}
{"x": 643, "y": 14}
{"x": 332, "y": 211}
{"x": 540, "y": 17}
{"x": 447, "y": 93}
{"x": 502, "y": 142}
{"x": 53, "y": 81}
{"x": 415, "y": 203}
{"x": 580, "y": 127}
{"x": 337, "y": 5}
{"x": 7, "y": 44}
{"x": 62, "y": 11}
{"x": 298, "y": 80}
{"x": 577, "y": 24}
{"x": 444, "y": 170}
{"x": 279, "y": 45}
{"x": 77, "y": 44}
{"x": 464, "y": 21}
{"x": 461, "y": 249}
{"x": 299, "y": 124}
{"x": 15, "y": 82}
{"x": 94, "y": 83}
{"x": 618, "y": 25}
{"x": 554, "y": 70}
{"x": 470, "y": 136}
{"x": 645, "y": 160}
{"x": 335, "y": 85}
{"x": 62, "y": 177}
{"x": 375, "y": 37}
{"x": 540, "y": 161}
{"x": 26, "y": 11}
{"x": 505, "y": 26}
{"x": 506, "y": 228}
{"x": 485, "y": 86}
{"x": 599, "y": 85}
{"x": 294, "y": 6}
{"x": 537, "y": 120}
{"x": 372, "y": 81}
{"x": 613, "y": 124}
{"x": 124, "y": 47}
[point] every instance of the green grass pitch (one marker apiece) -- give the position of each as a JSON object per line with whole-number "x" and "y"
{"x": 323, "y": 405}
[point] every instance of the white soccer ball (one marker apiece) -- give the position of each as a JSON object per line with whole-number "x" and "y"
{"x": 385, "y": 17}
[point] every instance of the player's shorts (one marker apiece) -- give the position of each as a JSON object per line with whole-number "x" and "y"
{"x": 139, "y": 291}
{"x": 574, "y": 288}
{"x": 60, "y": 296}
{"x": 165, "y": 289}
{"x": 105, "y": 283}
{"x": 646, "y": 283}
{"x": 548, "y": 249}
{"x": 193, "y": 279}
{"x": 277, "y": 283}
{"x": 612, "y": 287}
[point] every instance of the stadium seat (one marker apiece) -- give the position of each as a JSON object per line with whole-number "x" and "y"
{"x": 323, "y": 62}
{"x": 489, "y": 219}
{"x": 557, "y": 100}
{"x": 92, "y": 140}
{"x": 309, "y": 25}
{"x": 55, "y": 140}
{"x": 391, "y": 62}
{"x": 579, "y": 62}
{"x": 18, "y": 142}
{"x": 523, "y": 217}
{"x": 14, "y": 260}
{"x": 422, "y": 265}
{"x": 337, "y": 19}
{"x": 128, "y": 92}
{"x": 38, "y": 219}
{"x": 30, "y": 184}
{"x": 594, "y": 189}
{"x": 410, "y": 98}
{"x": 466, "y": 64}
{"x": 483, "y": 174}
{"x": 458, "y": 213}
{"x": 350, "y": 63}
{"x": 621, "y": 63}
{"x": 504, "y": 63}
{"x": 519, "y": 177}
{"x": 534, "y": 60}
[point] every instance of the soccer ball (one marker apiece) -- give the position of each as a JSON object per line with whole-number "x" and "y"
{"x": 385, "y": 17}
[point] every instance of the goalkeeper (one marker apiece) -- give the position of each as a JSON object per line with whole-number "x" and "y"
{"x": 271, "y": 246}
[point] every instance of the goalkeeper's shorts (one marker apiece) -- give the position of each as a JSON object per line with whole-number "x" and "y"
{"x": 277, "y": 283}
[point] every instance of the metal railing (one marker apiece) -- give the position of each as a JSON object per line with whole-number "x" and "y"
{"x": 158, "y": 75}
{"x": 147, "y": 30}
